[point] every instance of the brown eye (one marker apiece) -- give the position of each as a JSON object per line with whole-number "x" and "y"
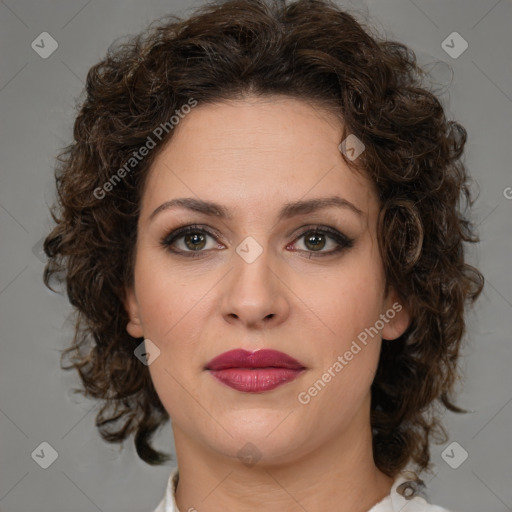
{"x": 315, "y": 242}
{"x": 318, "y": 238}
{"x": 195, "y": 241}
{"x": 189, "y": 240}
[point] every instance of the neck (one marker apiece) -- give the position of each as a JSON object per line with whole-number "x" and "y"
{"x": 338, "y": 475}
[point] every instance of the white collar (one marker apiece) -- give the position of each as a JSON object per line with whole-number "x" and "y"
{"x": 395, "y": 501}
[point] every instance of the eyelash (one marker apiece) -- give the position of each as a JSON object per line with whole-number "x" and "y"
{"x": 342, "y": 241}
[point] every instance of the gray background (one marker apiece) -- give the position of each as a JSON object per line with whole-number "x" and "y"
{"x": 37, "y": 98}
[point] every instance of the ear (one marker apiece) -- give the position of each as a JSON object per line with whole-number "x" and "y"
{"x": 397, "y": 316}
{"x": 134, "y": 326}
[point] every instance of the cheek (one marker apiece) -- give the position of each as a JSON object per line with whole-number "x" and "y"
{"x": 173, "y": 308}
{"x": 350, "y": 301}
{"x": 169, "y": 298}
{"x": 348, "y": 356}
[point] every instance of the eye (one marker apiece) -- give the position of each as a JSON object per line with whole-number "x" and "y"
{"x": 317, "y": 238}
{"x": 193, "y": 241}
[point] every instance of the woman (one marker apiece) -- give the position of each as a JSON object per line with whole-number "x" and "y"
{"x": 259, "y": 226}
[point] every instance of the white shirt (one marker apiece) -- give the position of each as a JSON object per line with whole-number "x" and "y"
{"x": 393, "y": 502}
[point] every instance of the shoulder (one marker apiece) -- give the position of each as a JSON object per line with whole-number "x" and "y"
{"x": 406, "y": 496}
{"x": 168, "y": 503}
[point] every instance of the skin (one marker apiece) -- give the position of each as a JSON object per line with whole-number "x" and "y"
{"x": 253, "y": 156}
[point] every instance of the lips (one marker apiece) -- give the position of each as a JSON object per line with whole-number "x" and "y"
{"x": 254, "y": 372}
{"x": 264, "y": 358}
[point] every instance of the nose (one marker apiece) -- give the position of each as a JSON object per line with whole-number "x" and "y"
{"x": 255, "y": 294}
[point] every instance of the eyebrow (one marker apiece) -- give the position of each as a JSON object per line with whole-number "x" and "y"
{"x": 287, "y": 211}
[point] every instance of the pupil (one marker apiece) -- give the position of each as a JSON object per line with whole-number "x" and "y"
{"x": 310, "y": 240}
{"x": 196, "y": 237}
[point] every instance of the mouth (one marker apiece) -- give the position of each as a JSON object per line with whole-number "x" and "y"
{"x": 254, "y": 372}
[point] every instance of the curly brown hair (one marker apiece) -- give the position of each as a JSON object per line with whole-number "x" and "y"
{"x": 316, "y": 52}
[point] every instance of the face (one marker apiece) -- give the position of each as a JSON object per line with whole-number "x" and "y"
{"x": 308, "y": 282}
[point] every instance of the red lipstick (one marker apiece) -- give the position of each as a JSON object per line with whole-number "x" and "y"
{"x": 254, "y": 372}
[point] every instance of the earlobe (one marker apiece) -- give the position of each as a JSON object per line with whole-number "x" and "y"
{"x": 134, "y": 326}
{"x": 397, "y": 316}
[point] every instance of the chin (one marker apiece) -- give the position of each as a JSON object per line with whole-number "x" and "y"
{"x": 265, "y": 446}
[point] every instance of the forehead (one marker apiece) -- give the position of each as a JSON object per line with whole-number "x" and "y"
{"x": 245, "y": 150}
